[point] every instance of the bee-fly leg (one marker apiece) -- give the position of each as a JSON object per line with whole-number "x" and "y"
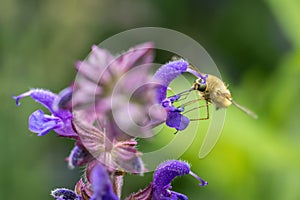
{"x": 201, "y": 118}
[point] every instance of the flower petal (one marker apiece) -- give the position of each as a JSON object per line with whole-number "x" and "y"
{"x": 166, "y": 74}
{"x": 66, "y": 130}
{"x": 93, "y": 73}
{"x": 127, "y": 157}
{"x": 102, "y": 185}
{"x": 63, "y": 100}
{"x": 42, "y": 124}
{"x": 59, "y": 121}
{"x": 44, "y": 97}
{"x": 163, "y": 176}
{"x": 64, "y": 194}
{"x": 84, "y": 189}
{"x": 167, "y": 171}
{"x": 94, "y": 68}
{"x": 177, "y": 196}
{"x": 136, "y": 56}
{"x": 78, "y": 156}
{"x": 91, "y": 137}
{"x": 177, "y": 120}
{"x": 144, "y": 194}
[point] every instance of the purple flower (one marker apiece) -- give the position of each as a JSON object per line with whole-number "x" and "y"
{"x": 40, "y": 123}
{"x": 165, "y": 75}
{"x": 163, "y": 176}
{"x": 160, "y": 188}
{"x": 102, "y": 186}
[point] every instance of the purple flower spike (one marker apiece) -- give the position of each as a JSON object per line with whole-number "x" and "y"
{"x": 102, "y": 185}
{"x": 166, "y": 74}
{"x": 40, "y": 123}
{"x": 64, "y": 194}
{"x": 163, "y": 177}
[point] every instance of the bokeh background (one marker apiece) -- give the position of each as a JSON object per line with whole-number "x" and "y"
{"x": 254, "y": 43}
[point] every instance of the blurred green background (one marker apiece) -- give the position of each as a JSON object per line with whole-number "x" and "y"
{"x": 254, "y": 43}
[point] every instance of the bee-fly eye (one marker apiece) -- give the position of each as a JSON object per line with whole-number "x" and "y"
{"x": 199, "y": 85}
{"x": 202, "y": 87}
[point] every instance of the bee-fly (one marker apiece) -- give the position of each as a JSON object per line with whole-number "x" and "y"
{"x": 215, "y": 91}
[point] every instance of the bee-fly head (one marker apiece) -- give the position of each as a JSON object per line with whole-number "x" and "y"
{"x": 200, "y": 85}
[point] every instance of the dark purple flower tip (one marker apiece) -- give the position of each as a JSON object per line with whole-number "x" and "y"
{"x": 65, "y": 194}
{"x": 63, "y": 100}
{"x": 59, "y": 121}
{"x": 166, "y": 74}
{"x": 78, "y": 157}
{"x": 102, "y": 186}
{"x": 164, "y": 175}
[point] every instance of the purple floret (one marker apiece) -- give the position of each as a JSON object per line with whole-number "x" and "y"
{"x": 164, "y": 76}
{"x": 60, "y": 121}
